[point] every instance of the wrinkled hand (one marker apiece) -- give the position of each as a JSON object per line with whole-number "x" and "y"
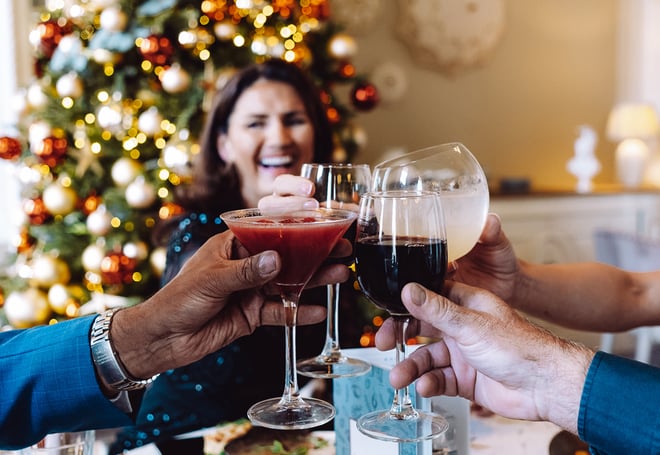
{"x": 211, "y": 302}
{"x": 489, "y": 354}
{"x": 491, "y": 264}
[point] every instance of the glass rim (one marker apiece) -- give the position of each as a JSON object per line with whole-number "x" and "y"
{"x": 400, "y": 194}
{"x": 243, "y": 214}
{"x": 411, "y": 155}
{"x": 336, "y": 165}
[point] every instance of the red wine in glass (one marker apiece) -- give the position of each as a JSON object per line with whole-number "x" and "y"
{"x": 303, "y": 240}
{"x": 387, "y": 264}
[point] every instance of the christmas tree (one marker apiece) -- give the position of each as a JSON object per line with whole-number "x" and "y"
{"x": 110, "y": 126}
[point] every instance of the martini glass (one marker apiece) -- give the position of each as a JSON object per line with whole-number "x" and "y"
{"x": 455, "y": 173}
{"x": 337, "y": 185}
{"x": 400, "y": 239}
{"x": 303, "y": 240}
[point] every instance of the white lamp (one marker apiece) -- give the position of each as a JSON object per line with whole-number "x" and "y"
{"x": 631, "y": 124}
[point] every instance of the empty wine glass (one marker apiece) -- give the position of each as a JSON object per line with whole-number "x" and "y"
{"x": 303, "y": 240}
{"x": 337, "y": 185}
{"x": 454, "y": 172}
{"x": 400, "y": 239}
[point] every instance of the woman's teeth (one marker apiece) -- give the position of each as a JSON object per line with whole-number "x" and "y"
{"x": 276, "y": 161}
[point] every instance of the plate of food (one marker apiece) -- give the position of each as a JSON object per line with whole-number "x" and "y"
{"x": 241, "y": 438}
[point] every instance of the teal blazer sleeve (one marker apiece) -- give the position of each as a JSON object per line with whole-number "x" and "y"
{"x": 48, "y": 384}
{"x": 620, "y": 407}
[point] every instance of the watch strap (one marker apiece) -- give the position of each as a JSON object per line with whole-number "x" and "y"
{"x": 108, "y": 364}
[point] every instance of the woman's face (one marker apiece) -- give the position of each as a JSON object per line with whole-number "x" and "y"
{"x": 269, "y": 133}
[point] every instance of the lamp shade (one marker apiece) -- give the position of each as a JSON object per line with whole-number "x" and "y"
{"x": 632, "y": 120}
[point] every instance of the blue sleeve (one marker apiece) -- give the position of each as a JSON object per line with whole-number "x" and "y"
{"x": 620, "y": 407}
{"x": 49, "y": 385}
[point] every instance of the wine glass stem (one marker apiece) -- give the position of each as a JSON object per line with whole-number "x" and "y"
{"x": 291, "y": 391}
{"x": 402, "y": 407}
{"x": 331, "y": 350}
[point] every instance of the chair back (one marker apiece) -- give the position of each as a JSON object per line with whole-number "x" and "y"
{"x": 626, "y": 250}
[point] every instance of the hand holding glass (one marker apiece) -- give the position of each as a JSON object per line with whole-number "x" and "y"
{"x": 337, "y": 185}
{"x": 303, "y": 240}
{"x": 400, "y": 239}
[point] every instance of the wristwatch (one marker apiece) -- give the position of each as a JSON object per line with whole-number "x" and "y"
{"x": 108, "y": 365}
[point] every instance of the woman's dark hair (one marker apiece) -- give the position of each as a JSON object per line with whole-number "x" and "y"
{"x": 216, "y": 185}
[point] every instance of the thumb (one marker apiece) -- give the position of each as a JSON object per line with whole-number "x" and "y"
{"x": 439, "y": 311}
{"x": 252, "y": 271}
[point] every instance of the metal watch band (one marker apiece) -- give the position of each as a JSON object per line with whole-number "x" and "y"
{"x": 107, "y": 362}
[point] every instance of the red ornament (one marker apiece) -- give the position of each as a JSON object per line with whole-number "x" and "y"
{"x": 36, "y": 211}
{"x": 117, "y": 268}
{"x": 52, "y": 150}
{"x": 91, "y": 203}
{"x": 10, "y": 148}
{"x": 50, "y": 34}
{"x": 364, "y": 96}
{"x": 157, "y": 49}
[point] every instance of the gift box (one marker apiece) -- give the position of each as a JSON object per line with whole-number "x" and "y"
{"x": 356, "y": 396}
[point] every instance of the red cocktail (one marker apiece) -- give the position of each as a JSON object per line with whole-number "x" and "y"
{"x": 303, "y": 240}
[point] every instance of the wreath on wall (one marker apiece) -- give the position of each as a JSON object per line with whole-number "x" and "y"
{"x": 451, "y": 35}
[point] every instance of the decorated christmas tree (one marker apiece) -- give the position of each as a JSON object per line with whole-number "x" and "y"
{"x": 109, "y": 128}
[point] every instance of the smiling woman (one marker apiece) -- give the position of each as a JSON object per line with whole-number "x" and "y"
{"x": 267, "y": 120}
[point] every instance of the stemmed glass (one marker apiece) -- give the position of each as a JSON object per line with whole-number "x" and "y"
{"x": 303, "y": 240}
{"x": 337, "y": 185}
{"x": 400, "y": 238}
{"x": 454, "y": 172}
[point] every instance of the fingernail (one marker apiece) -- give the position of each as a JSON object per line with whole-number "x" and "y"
{"x": 307, "y": 187}
{"x": 417, "y": 295}
{"x": 311, "y": 204}
{"x": 267, "y": 263}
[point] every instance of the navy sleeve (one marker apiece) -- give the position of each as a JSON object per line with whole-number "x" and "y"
{"x": 620, "y": 407}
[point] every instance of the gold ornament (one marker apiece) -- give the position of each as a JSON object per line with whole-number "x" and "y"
{"x": 140, "y": 194}
{"x": 28, "y": 308}
{"x": 48, "y": 270}
{"x": 92, "y": 257}
{"x": 59, "y": 200}
{"x": 124, "y": 171}
{"x": 98, "y": 222}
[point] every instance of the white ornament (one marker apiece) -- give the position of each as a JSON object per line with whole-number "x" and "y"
{"x": 98, "y": 222}
{"x": 113, "y": 19}
{"x": 92, "y": 256}
{"x": 149, "y": 121}
{"x": 48, "y": 270}
{"x": 36, "y": 97}
{"x": 584, "y": 165}
{"x": 109, "y": 117}
{"x": 27, "y": 308}
{"x": 175, "y": 79}
{"x": 59, "y": 200}
{"x": 58, "y": 298}
{"x": 37, "y": 132}
{"x": 136, "y": 250}
{"x": 125, "y": 170}
{"x": 342, "y": 46}
{"x": 158, "y": 260}
{"x": 140, "y": 194}
{"x": 225, "y": 31}
{"x": 69, "y": 84}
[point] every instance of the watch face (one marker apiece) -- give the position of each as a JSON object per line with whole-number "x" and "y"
{"x": 451, "y": 35}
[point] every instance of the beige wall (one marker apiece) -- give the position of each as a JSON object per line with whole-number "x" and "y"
{"x": 554, "y": 69}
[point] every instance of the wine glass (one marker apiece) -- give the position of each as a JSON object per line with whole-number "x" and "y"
{"x": 337, "y": 185}
{"x": 303, "y": 240}
{"x": 454, "y": 172}
{"x": 400, "y": 238}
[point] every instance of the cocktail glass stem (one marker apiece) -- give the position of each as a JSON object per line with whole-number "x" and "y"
{"x": 291, "y": 390}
